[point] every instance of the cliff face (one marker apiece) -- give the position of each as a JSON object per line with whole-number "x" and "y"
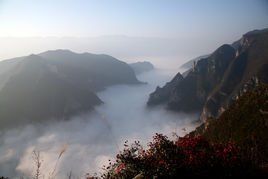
{"x": 212, "y": 84}
{"x": 189, "y": 93}
{"x": 246, "y": 70}
{"x": 189, "y": 64}
{"x": 162, "y": 95}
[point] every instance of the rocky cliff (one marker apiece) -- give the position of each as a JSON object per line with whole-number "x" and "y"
{"x": 247, "y": 69}
{"x": 189, "y": 93}
{"x": 190, "y": 63}
{"x": 214, "y": 82}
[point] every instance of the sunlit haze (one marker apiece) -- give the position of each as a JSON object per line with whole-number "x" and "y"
{"x": 149, "y": 18}
{"x": 170, "y": 32}
{"x": 121, "y": 89}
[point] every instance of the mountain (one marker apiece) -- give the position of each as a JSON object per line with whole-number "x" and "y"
{"x": 189, "y": 93}
{"x": 234, "y": 145}
{"x": 249, "y": 68}
{"x": 141, "y": 67}
{"x": 161, "y": 95}
{"x": 245, "y": 122}
{"x": 189, "y": 64}
{"x": 214, "y": 82}
{"x": 56, "y": 84}
{"x": 93, "y": 71}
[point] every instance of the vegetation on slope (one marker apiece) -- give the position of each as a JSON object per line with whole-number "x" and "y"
{"x": 235, "y": 144}
{"x": 189, "y": 156}
{"x": 245, "y": 122}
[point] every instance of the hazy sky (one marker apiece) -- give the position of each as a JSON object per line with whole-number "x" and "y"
{"x": 146, "y": 18}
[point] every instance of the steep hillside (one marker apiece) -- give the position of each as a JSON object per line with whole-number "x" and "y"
{"x": 190, "y": 92}
{"x": 189, "y": 64}
{"x": 248, "y": 69}
{"x": 93, "y": 71}
{"x": 56, "y": 84}
{"x": 214, "y": 82}
{"x": 234, "y": 145}
{"x": 245, "y": 122}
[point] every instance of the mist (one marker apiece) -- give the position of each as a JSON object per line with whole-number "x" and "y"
{"x": 90, "y": 140}
{"x": 162, "y": 52}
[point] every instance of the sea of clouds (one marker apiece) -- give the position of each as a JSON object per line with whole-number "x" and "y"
{"x": 85, "y": 143}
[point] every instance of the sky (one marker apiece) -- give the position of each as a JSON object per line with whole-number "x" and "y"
{"x": 165, "y": 32}
{"x": 142, "y": 18}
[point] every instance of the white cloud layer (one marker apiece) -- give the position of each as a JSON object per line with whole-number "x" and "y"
{"x": 91, "y": 139}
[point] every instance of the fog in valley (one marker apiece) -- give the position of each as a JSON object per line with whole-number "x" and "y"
{"x": 162, "y": 52}
{"x": 86, "y": 142}
{"x": 82, "y": 80}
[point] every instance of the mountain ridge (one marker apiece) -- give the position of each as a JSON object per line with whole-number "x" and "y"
{"x": 213, "y": 83}
{"x": 56, "y": 84}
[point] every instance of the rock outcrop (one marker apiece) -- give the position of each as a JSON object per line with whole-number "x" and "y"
{"x": 189, "y": 93}
{"x": 211, "y": 85}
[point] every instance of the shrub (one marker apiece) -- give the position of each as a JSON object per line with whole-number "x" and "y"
{"x": 188, "y": 156}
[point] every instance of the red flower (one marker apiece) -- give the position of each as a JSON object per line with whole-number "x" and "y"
{"x": 119, "y": 168}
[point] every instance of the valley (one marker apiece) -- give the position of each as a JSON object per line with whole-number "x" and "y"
{"x": 101, "y": 134}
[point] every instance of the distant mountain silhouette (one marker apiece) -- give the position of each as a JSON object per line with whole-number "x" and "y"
{"x": 140, "y": 67}
{"x": 56, "y": 84}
